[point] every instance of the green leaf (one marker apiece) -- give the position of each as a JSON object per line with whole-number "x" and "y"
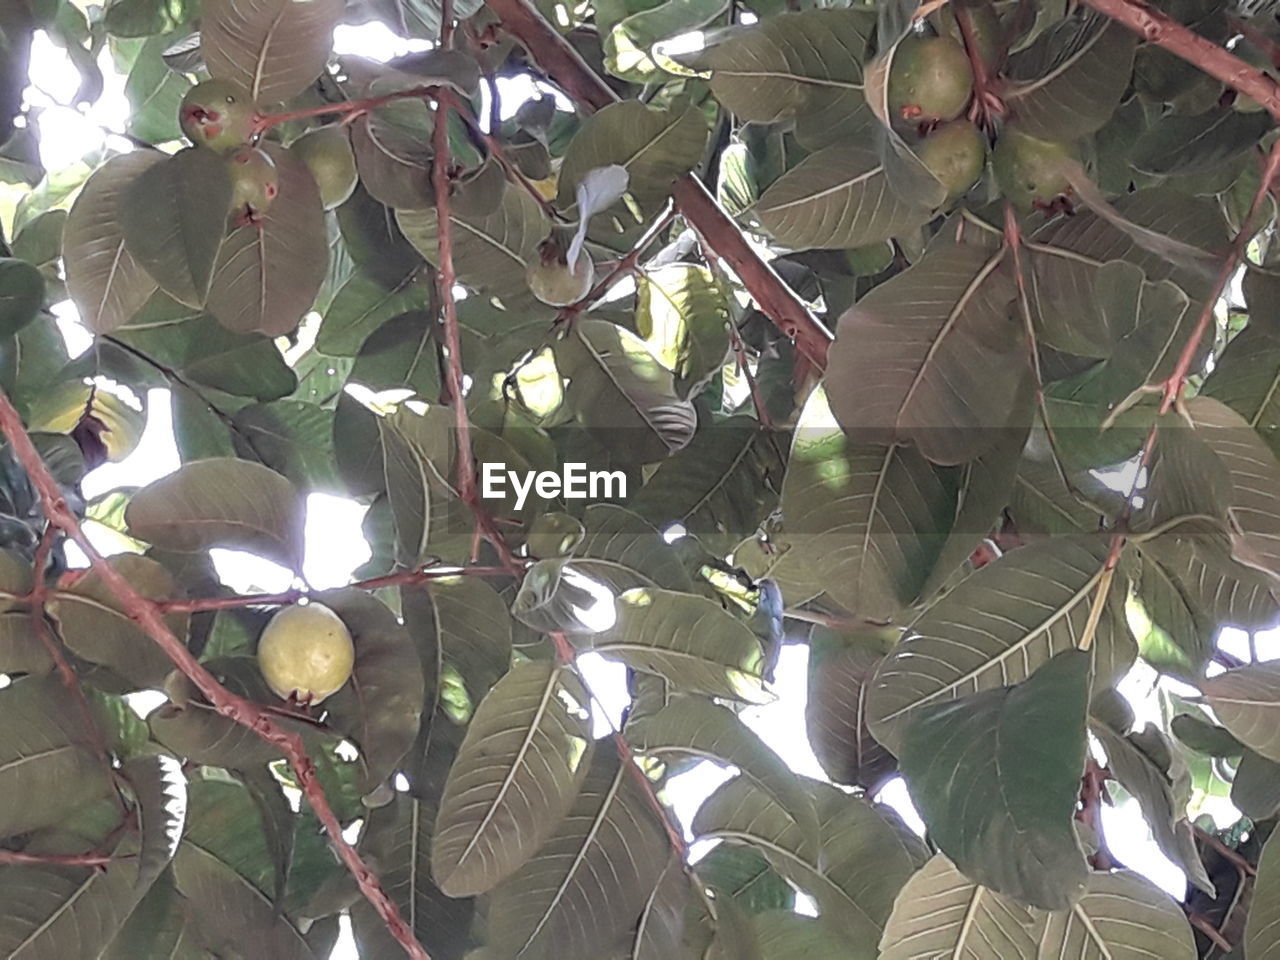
{"x": 1247, "y": 702}
{"x": 1255, "y": 788}
{"x": 1246, "y": 377}
{"x": 415, "y": 464}
{"x": 154, "y": 91}
{"x": 362, "y": 307}
{"x": 1135, "y": 762}
{"x": 1253, "y": 505}
{"x": 933, "y": 356}
{"x": 745, "y": 875}
{"x": 1182, "y": 145}
{"x": 173, "y": 216}
{"x": 459, "y": 624}
{"x": 837, "y": 197}
{"x": 57, "y": 912}
{"x": 1067, "y": 252}
{"x": 402, "y": 353}
{"x": 789, "y": 66}
{"x": 840, "y": 673}
{"x": 21, "y": 294}
{"x": 398, "y": 839}
{"x": 555, "y": 903}
{"x": 274, "y": 48}
{"x": 628, "y": 44}
{"x": 721, "y": 486}
{"x": 1122, "y": 915}
{"x": 1262, "y": 929}
{"x": 222, "y": 503}
{"x": 654, "y": 146}
{"x": 523, "y": 759}
{"x": 1069, "y": 82}
{"x": 107, "y": 284}
{"x": 997, "y": 627}
{"x": 621, "y": 394}
{"x": 224, "y": 865}
{"x": 158, "y": 926}
{"x": 785, "y": 935}
{"x": 866, "y": 520}
{"x": 690, "y": 641}
{"x": 205, "y": 354}
{"x": 160, "y": 788}
{"x": 941, "y": 912}
{"x": 392, "y": 146}
{"x": 95, "y": 626}
{"x": 491, "y": 250}
{"x": 380, "y": 708}
{"x": 47, "y": 765}
{"x": 268, "y": 274}
{"x": 293, "y": 438}
{"x": 694, "y": 728}
{"x": 867, "y": 853}
{"x": 995, "y": 776}
{"x": 682, "y": 311}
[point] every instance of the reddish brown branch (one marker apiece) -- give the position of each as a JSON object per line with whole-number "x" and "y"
{"x": 150, "y": 619}
{"x": 446, "y": 278}
{"x": 776, "y": 300}
{"x": 40, "y": 627}
{"x": 1160, "y": 29}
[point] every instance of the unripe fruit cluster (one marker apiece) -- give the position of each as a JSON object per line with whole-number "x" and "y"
{"x": 930, "y": 85}
{"x": 222, "y": 116}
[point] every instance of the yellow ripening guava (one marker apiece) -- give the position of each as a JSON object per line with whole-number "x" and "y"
{"x": 305, "y": 653}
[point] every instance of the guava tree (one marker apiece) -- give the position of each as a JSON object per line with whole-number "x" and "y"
{"x": 938, "y": 338}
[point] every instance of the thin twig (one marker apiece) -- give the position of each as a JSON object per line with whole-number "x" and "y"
{"x": 12, "y": 857}
{"x": 400, "y": 578}
{"x": 150, "y": 619}
{"x": 1171, "y": 389}
{"x": 622, "y": 268}
{"x": 563, "y": 64}
{"x": 744, "y": 364}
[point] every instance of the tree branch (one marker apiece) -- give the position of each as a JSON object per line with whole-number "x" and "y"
{"x": 776, "y": 300}
{"x": 400, "y": 578}
{"x": 150, "y": 619}
{"x": 1160, "y": 29}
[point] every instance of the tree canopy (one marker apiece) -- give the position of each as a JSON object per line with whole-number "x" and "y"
{"x": 936, "y": 338}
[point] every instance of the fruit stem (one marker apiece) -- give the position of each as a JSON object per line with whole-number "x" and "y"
{"x": 349, "y": 109}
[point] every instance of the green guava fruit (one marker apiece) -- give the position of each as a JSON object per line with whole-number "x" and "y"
{"x": 930, "y": 79}
{"x": 255, "y": 183}
{"x": 328, "y": 155}
{"x": 218, "y": 114}
{"x": 985, "y": 27}
{"x": 955, "y": 153}
{"x": 1031, "y": 172}
{"x": 552, "y": 280}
